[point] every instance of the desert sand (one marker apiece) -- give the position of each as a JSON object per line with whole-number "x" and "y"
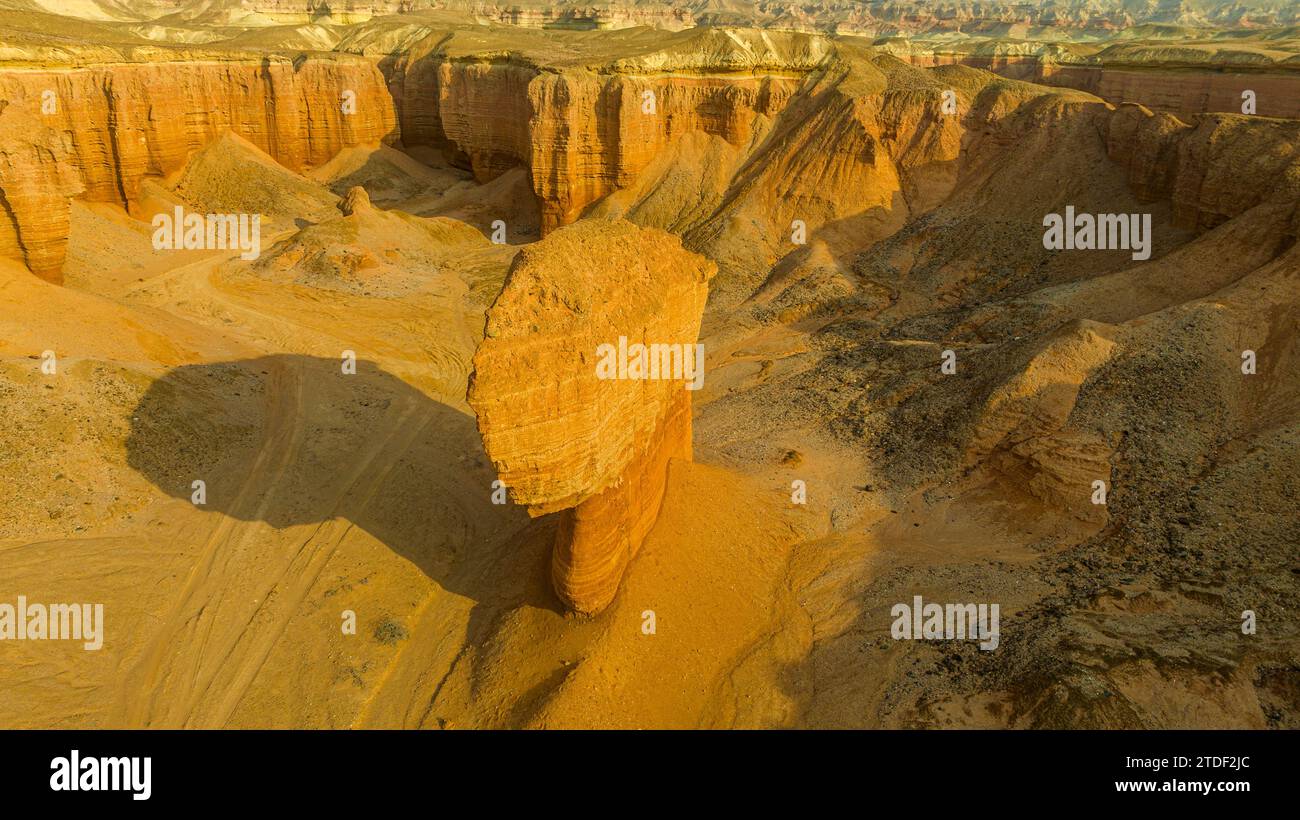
{"x": 437, "y": 266}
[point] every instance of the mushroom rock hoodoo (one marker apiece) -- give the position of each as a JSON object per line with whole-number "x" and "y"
{"x": 582, "y": 389}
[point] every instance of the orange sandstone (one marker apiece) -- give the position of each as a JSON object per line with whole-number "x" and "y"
{"x": 97, "y": 131}
{"x": 564, "y": 439}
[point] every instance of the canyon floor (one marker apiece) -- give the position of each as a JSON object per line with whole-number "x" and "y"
{"x": 329, "y": 492}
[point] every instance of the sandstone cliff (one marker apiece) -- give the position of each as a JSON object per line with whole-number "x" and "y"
{"x": 794, "y": 126}
{"x": 1182, "y": 81}
{"x": 97, "y": 131}
{"x": 586, "y": 125}
{"x": 1063, "y": 18}
{"x": 563, "y": 438}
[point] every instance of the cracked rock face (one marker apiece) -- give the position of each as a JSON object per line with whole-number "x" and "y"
{"x": 566, "y": 435}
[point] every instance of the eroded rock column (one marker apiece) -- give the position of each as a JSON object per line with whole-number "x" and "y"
{"x": 582, "y": 389}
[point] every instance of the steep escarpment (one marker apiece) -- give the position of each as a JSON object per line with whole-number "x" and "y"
{"x": 583, "y": 122}
{"x": 768, "y": 130}
{"x": 1088, "y": 18}
{"x": 789, "y": 127}
{"x": 577, "y": 409}
{"x": 586, "y": 125}
{"x": 1184, "y": 91}
{"x": 865, "y": 147}
{"x": 1210, "y": 77}
{"x": 1212, "y": 170}
{"x": 475, "y": 112}
{"x": 96, "y": 131}
{"x": 581, "y": 133}
{"x": 593, "y": 135}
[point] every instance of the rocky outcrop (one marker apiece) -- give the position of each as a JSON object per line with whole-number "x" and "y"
{"x": 356, "y": 201}
{"x": 586, "y": 130}
{"x": 583, "y": 123}
{"x": 483, "y": 114}
{"x": 1023, "y": 430}
{"x": 37, "y": 180}
{"x": 582, "y": 134}
{"x": 1173, "y": 81}
{"x": 564, "y": 437}
{"x": 1211, "y": 171}
{"x": 97, "y": 131}
{"x": 592, "y": 135}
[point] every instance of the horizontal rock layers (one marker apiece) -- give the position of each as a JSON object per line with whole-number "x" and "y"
{"x": 96, "y": 132}
{"x": 1184, "y": 90}
{"x": 582, "y": 129}
{"x": 582, "y": 134}
{"x": 592, "y": 135}
{"x": 562, "y": 437}
{"x": 585, "y": 134}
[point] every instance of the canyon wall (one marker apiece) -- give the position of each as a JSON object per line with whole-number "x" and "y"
{"x": 1211, "y": 171}
{"x": 582, "y": 130}
{"x": 1010, "y": 18}
{"x": 1183, "y": 90}
{"x": 592, "y": 135}
{"x": 567, "y": 435}
{"x": 97, "y": 131}
{"x": 583, "y": 134}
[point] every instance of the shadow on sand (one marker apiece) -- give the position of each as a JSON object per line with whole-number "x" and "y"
{"x": 293, "y": 440}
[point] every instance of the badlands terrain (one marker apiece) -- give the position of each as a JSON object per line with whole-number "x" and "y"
{"x": 904, "y": 391}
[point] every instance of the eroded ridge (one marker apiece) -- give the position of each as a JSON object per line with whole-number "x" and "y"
{"x": 573, "y": 416}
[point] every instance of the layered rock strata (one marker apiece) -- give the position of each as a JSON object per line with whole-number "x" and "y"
{"x": 95, "y": 132}
{"x": 589, "y": 129}
{"x": 1187, "y": 88}
{"x": 567, "y": 436}
{"x": 584, "y": 127}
